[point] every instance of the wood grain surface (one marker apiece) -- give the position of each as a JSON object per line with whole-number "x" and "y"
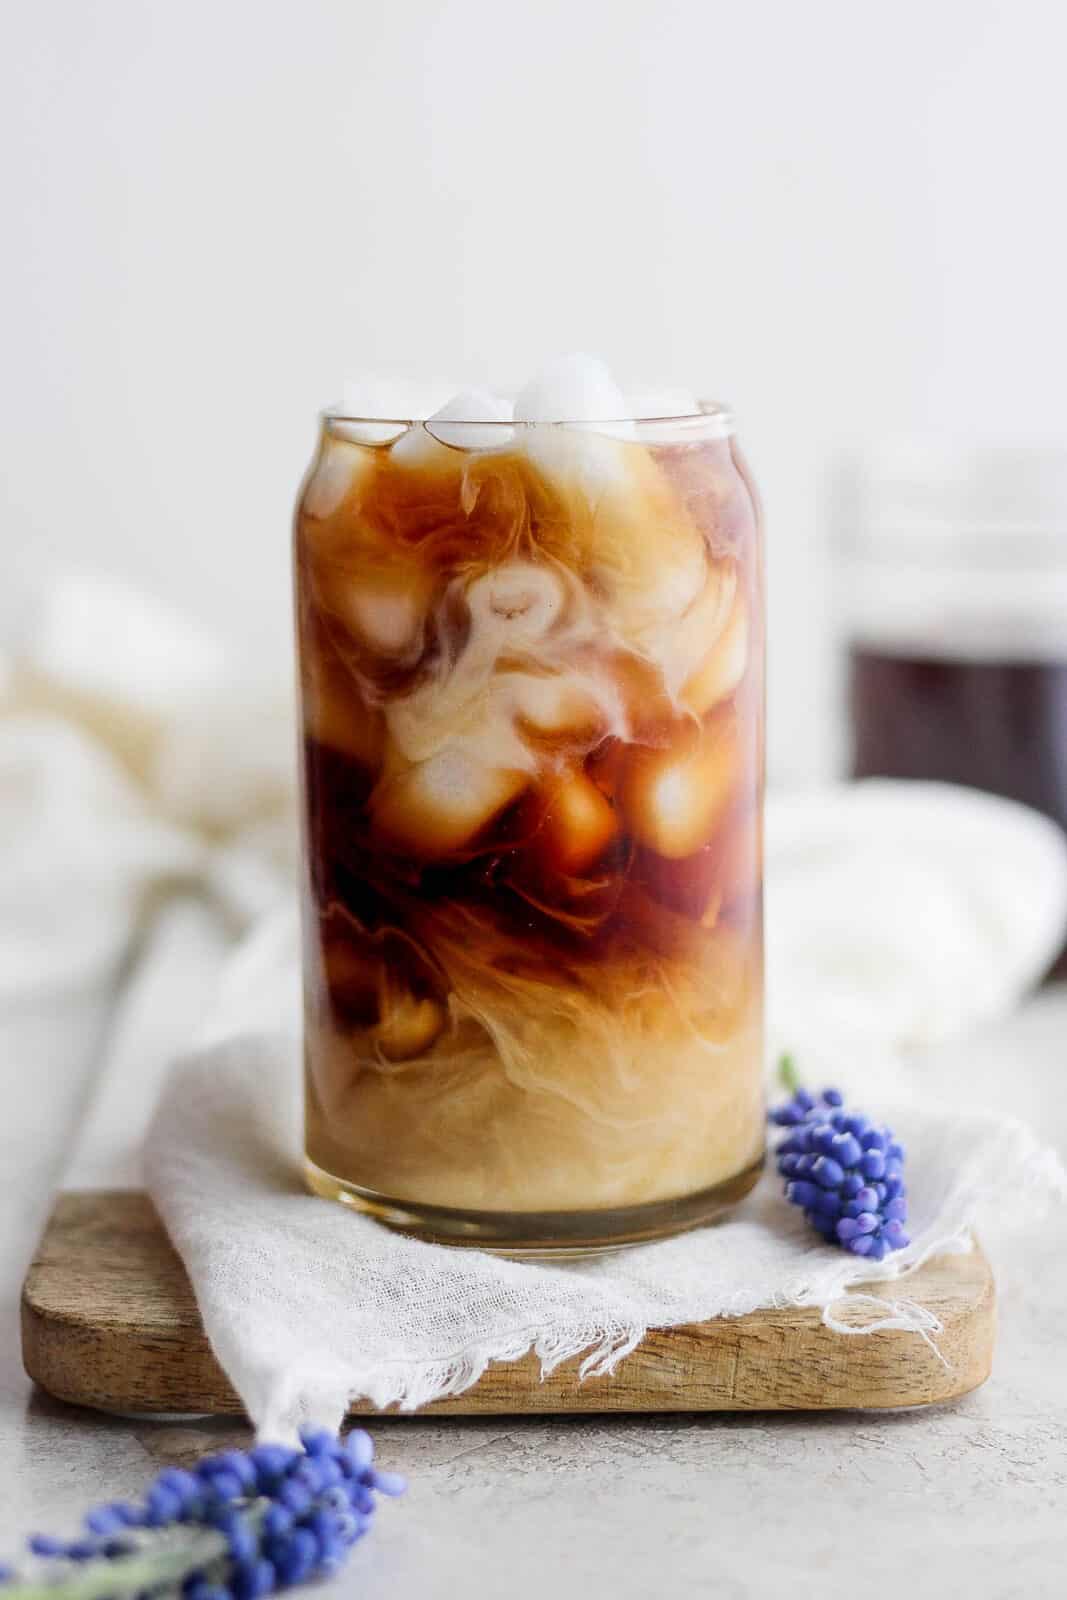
{"x": 109, "y": 1320}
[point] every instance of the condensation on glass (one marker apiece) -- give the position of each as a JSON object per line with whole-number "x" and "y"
{"x": 531, "y": 663}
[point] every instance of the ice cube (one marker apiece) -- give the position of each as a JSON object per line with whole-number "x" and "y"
{"x": 384, "y": 604}
{"x": 651, "y": 564}
{"x": 611, "y": 485}
{"x": 452, "y": 423}
{"x": 576, "y": 388}
{"x": 341, "y": 466}
{"x": 454, "y": 426}
{"x": 408, "y": 1026}
{"x": 439, "y": 806}
{"x": 675, "y": 798}
{"x": 396, "y": 401}
{"x": 335, "y": 712}
{"x": 683, "y": 635}
{"x": 722, "y": 671}
{"x": 387, "y": 613}
{"x": 558, "y": 706}
{"x": 577, "y": 825}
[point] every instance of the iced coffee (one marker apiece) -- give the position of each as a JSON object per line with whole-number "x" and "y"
{"x": 531, "y": 669}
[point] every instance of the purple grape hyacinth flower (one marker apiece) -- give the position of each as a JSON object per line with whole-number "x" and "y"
{"x": 239, "y": 1526}
{"x": 846, "y": 1174}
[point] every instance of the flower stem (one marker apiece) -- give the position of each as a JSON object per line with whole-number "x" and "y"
{"x": 787, "y": 1073}
{"x": 146, "y": 1571}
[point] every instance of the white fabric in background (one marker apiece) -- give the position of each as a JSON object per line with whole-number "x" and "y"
{"x": 136, "y": 759}
{"x": 903, "y": 914}
{"x": 78, "y": 845}
{"x": 308, "y": 1305}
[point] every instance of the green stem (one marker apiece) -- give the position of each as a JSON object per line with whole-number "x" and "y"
{"x": 148, "y": 1569}
{"x": 787, "y": 1073}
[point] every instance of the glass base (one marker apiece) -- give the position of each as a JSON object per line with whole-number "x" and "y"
{"x": 546, "y": 1234}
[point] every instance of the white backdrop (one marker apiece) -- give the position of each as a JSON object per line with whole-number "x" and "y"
{"x": 844, "y": 217}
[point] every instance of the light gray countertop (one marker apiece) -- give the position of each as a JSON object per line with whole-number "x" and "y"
{"x": 964, "y": 1499}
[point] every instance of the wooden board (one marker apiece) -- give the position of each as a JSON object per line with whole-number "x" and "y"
{"x": 109, "y": 1320}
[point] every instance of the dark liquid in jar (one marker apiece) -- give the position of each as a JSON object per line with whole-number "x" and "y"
{"x": 994, "y": 725}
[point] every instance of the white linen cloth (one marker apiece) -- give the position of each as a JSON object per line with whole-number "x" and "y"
{"x": 134, "y": 756}
{"x": 308, "y": 1305}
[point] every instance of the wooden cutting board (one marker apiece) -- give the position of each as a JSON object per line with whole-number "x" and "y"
{"x": 109, "y": 1320}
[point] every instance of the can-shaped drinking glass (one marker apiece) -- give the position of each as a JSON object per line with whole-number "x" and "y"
{"x": 531, "y": 667}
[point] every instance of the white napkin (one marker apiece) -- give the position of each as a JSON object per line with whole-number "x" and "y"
{"x": 308, "y": 1306}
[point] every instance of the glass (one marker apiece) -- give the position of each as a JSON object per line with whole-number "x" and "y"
{"x": 531, "y": 662}
{"x": 955, "y": 562}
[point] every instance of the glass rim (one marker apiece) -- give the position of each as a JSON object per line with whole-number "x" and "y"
{"x": 708, "y": 411}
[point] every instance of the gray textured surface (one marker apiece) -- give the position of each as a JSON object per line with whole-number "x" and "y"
{"x": 965, "y": 1499}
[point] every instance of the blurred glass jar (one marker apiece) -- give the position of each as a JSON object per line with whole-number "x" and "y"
{"x": 953, "y": 572}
